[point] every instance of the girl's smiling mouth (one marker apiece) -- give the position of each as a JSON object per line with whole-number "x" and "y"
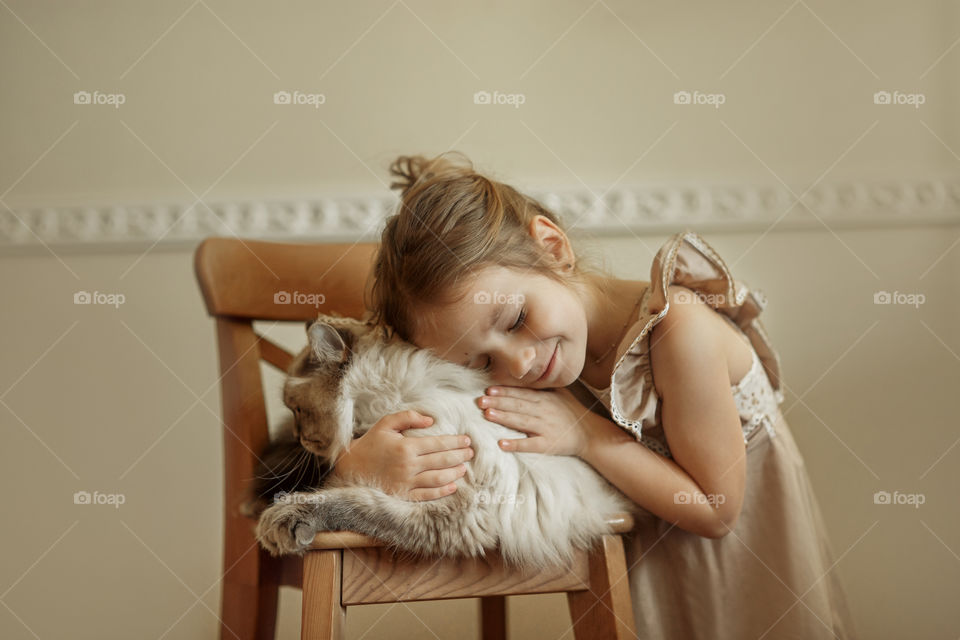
{"x": 549, "y": 368}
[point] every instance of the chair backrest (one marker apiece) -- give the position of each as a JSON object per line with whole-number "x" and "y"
{"x": 246, "y": 280}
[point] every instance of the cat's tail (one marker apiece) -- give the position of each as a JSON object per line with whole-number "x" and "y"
{"x": 429, "y": 528}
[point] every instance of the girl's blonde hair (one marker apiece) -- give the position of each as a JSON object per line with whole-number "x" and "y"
{"x": 452, "y": 221}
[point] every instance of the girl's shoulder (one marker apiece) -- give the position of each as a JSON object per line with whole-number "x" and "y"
{"x": 687, "y": 267}
{"x": 694, "y": 337}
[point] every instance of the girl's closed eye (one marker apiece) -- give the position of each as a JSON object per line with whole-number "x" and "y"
{"x": 516, "y": 325}
{"x": 520, "y": 319}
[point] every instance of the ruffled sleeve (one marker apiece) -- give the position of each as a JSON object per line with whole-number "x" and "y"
{"x": 685, "y": 259}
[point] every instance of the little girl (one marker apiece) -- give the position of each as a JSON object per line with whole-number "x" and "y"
{"x": 685, "y": 417}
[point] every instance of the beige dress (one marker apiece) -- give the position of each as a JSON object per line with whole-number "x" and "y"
{"x": 773, "y": 575}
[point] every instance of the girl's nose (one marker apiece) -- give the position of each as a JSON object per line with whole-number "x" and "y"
{"x": 521, "y": 361}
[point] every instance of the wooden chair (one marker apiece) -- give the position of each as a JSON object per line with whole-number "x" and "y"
{"x": 244, "y": 280}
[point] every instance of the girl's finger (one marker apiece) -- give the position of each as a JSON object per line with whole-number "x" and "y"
{"x": 521, "y": 445}
{"x": 502, "y": 417}
{"x": 515, "y": 421}
{"x": 440, "y": 478}
{"x": 515, "y": 392}
{"x": 432, "y": 444}
{"x": 445, "y": 459}
{"x": 506, "y": 403}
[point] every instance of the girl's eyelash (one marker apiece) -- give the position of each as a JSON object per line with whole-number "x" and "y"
{"x": 516, "y": 325}
{"x": 520, "y": 319}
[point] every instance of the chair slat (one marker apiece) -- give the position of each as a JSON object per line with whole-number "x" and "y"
{"x": 274, "y": 354}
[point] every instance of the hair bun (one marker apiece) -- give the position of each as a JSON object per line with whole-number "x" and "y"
{"x": 411, "y": 170}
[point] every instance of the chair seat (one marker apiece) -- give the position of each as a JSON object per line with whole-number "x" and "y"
{"x": 401, "y": 578}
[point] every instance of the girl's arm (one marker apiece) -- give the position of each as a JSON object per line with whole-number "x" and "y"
{"x": 657, "y": 484}
{"x": 701, "y": 489}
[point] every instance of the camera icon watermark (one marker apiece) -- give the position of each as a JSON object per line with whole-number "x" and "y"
{"x": 298, "y": 497}
{"x": 98, "y": 297}
{"x": 899, "y": 98}
{"x": 512, "y": 99}
{"x": 497, "y": 297}
{"x": 885, "y": 497}
{"x": 85, "y": 497}
{"x": 97, "y": 98}
{"x": 485, "y": 497}
{"x": 297, "y": 297}
{"x": 687, "y": 497}
{"x": 298, "y": 97}
{"x": 712, "y": 299}
{"x": 912, "y": 299}
{"x": 698, "y": 97}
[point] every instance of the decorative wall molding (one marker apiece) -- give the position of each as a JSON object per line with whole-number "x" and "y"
{"x": 638, "y": 209}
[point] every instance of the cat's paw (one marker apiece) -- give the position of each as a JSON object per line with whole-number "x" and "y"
{"x": 287, "y": 528}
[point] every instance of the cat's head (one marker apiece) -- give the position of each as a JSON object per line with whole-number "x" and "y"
{"x": 312, "y": 388}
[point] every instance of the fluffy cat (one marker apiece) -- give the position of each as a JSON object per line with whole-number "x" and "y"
{"x": 534, "y": 508}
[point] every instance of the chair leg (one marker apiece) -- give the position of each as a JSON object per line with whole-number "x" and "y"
{"x": 493, "y": 618}
{"x": 248, "y": 601}
{"x": 324, "y": 617}
{"x": 604, "y": 611}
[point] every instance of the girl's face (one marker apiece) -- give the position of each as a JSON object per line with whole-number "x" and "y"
{"x": 516, "y": 325}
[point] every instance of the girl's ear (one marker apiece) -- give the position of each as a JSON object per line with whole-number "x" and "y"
{"x": 552, "y": 239}
{"x": 327, "y": 343}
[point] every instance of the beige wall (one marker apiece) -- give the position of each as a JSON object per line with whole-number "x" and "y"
{"x": 125, "y": 400}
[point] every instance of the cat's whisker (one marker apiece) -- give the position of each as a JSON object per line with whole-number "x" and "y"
{"x": 300, "y": 463}
{"x": 304, "y": 467}
{"x": 278, "y": 469}
{"x": 296, "y": 455}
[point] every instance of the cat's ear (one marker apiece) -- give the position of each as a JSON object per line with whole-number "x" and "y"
{"x": 327, "y": 343}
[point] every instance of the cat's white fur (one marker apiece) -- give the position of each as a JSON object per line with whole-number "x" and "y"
{"x": 535, "y": 508}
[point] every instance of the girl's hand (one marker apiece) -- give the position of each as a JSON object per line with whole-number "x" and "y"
{"x": 417, "y": 468}
{"x": 553, "y": 419}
